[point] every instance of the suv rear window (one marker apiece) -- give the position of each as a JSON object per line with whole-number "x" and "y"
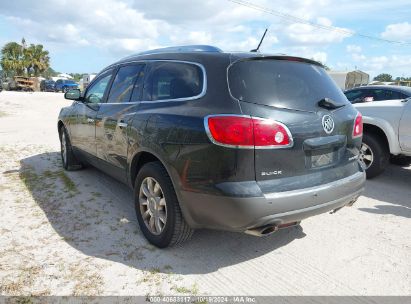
{"x": 173, "y": 80}
{"x": 282, "y": 83}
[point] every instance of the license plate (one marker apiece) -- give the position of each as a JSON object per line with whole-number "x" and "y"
{"x": 322, "y": 160}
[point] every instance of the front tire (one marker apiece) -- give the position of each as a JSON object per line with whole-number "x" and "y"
{"x": 68, "y": 159}
{"x": 374, "y": 154}
{"x": 157, "y": 208}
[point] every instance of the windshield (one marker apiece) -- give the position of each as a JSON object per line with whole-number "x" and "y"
{"x": 69, "y": 82}
{"x": 282, "y": 83}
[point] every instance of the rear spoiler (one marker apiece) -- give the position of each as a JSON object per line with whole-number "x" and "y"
{"x": 280, "y": 57}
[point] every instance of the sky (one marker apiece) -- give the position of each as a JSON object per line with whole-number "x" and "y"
{"x": 85, "y": 36}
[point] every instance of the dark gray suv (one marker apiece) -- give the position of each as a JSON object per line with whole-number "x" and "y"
{"x": 242, "y": 142}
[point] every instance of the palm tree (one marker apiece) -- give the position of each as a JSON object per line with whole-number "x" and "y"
{"x": 40, "y": 60}
{"x": 12, "y": 58}
{"x": 18, "y": 59}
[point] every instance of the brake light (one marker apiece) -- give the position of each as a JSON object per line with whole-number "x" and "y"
{"x": 358, "y": 126}
{"x": 247, "y": 132}
{"x": 231, "y": 130}
{"x": 270, "y": 133}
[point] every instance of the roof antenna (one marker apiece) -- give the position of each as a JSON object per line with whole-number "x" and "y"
{"x": 261, "y": 41}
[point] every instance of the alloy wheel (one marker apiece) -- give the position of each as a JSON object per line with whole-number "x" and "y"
{"x": 366, "y": 155}
{"x": 63, "y": 147}
{"x": 153, "y": 206}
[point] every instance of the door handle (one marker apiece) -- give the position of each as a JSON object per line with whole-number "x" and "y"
{"x": 90, "y": 120}
{"x": 121, "y": 124}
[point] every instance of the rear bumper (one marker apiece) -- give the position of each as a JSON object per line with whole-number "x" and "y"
{"x": 243, "y": 213}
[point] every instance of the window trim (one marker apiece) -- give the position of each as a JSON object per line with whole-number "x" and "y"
{"x": 116, "y": 70}
{"x": 148, "y": 62}
{"x": 198, "y": 96}
{"x": 101, "y": 75}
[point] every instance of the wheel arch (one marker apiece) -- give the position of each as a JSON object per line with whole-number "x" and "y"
{"x": 384, "y": 131}
{"x": 138, "y": 161}
{"x": 60, "y": 124}
{"x": 142, "y": 157}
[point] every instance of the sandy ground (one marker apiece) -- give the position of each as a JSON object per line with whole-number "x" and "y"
{"x": 75, "y": 233}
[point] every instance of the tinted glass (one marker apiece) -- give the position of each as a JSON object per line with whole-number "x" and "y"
{"x": 379, "y": 94}
{"x": 355, "y": 96}
{"x": 95, "y": 92}
{"x": 173, "y": 80}
{"x": 282, "y": 83}
{"x": 389, "y": 95}
{"x": 123, "y": 83}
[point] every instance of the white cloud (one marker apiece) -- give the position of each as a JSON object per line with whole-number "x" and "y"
{"x": 352, "y": 48}
{"x": 122, "y": 25}
{"x": 320, "y": 56}
{"x": 398, "y": 31}
{"x": 308, "y": 35}
{"x": 396, "y": 65}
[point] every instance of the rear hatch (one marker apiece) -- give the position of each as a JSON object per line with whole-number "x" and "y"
{"x": 299, "y": 94}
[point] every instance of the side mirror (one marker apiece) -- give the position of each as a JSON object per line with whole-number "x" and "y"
{"x": 73, "y": 94}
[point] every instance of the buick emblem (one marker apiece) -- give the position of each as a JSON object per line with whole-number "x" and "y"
{"x": 328, "y": 124}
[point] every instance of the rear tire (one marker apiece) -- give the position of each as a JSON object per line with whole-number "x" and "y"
{"x": 68, "y": 159}
{"x": 379, "y": 153}
{"x": 157, "y": 208}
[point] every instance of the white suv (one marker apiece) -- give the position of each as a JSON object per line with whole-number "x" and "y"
{"x": 387, "y": 131}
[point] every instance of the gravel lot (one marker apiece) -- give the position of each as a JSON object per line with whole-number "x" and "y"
{"x": 75, "y": 233}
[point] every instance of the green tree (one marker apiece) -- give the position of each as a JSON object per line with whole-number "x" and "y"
{"x": 383, "y": 77}
{"x": 50, "y": 73}
{"x": 38, "y": 60}
{"x": 18, "y": 59}
{"x": 76, "y": 76}
{"x": 12, "y": 59}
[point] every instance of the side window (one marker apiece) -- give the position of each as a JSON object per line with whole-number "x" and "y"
{"x": 123, "y": 84}
{"x": 403, "y": 96}
{"x": 393, "y": 95}
{"x": 173, "y": 80}
{"x": 355, "y": 96}
{"x": 379, "y": 94}
{"x": 95, "y": 92}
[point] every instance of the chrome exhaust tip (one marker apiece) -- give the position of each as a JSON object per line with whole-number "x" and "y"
{"x": 262, "y": 231}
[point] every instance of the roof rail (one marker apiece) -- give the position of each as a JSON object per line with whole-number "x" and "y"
{"x": 184, "y": 48}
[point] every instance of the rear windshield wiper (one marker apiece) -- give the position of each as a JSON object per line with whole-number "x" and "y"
{"x": 330, "y": 104}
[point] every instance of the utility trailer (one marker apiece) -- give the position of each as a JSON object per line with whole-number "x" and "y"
{"x": 22, "y": 83}
{"x": 349, "y": 80}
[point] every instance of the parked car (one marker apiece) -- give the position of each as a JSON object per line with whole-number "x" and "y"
{"x": 47, "y": 85}
{"x": 242, "y": 142}
{"x": 64, "y": 85}
{"x": 387, "y": 131}
{"x": 377, "y": 93}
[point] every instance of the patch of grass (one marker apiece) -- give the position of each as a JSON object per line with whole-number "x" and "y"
{"x": 29, "y": 177}
{"x": 25, "y": 280}
{"x": 96, "y": 194}
{"x": 193, "y": 290}
{"x": 149, "y": 247}
{"x": 68, "y": 183}
{"x": 154, "y": 270}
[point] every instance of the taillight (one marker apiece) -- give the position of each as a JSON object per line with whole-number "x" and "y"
{"x": 358, "y": 126}
{"x": 270, "y": 133}
{"x": 231, "y": 130}
{"x": 247, "y": 132}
